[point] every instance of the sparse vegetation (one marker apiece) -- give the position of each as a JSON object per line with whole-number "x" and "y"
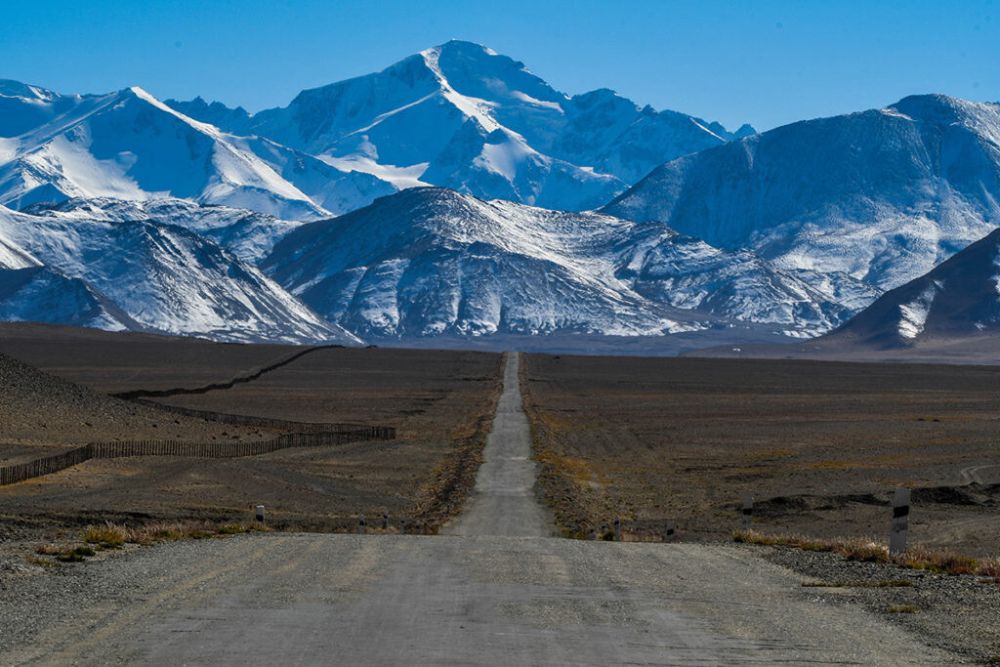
{"x": 108, "y": 536}
{"x": 903, "y": 609}
{"x": 440, "y": 402}
{"x": 115, "y": 536}
{"x": 75, "y": 555}
{"x": 916, "y": 558}
{"x": 877, "y": 583}
{"x": 819, "y": 445}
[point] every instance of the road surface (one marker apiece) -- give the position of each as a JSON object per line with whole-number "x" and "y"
{"x": 497, "y": 590}
{"x": 503, "y": 502}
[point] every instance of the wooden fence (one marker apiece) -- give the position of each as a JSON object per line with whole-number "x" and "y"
{"x": 109, "y": 450}
{"x": 249, "y": 420}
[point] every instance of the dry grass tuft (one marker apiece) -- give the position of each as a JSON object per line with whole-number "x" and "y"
{"x": 903, "y": 609}
{"x": 114, "y": 536}
{"x": 48, "y": 550}
{"x": 948, "y": 562}
{"x": 917, "y": 558}
{"x": 108, "y": 536}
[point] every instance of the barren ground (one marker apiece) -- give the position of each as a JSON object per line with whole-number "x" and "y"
{"x": 441, "y": 402}
{"x": 820, "y": 446}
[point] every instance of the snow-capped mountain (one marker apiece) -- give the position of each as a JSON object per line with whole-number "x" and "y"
{"x": 959, "y": 298}
{"x": 247, "y": 234}
{"x": 138, "y": 274}
{"x": 462, "y": 116}
{"x": 430, "y": 261}
{"x": 854, "y": 204}
{"x": 128, "y": 145}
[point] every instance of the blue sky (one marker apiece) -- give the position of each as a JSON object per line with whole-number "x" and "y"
{"x": 767, "y": 63}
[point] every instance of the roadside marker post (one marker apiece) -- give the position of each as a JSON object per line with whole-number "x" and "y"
{"x": 385, "y": 521}
{"x": 259, "y": 513}
{"x": 900, "y": 521}
{"x": 746, "y": 515}
{"x": 671, "y": 531}
{"x": 618, "y": 529}
{"x": 362, "y": 524}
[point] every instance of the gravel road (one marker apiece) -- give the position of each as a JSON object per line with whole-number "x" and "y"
{"x": 503, "y": 502}
{"x": 483, "y": 595}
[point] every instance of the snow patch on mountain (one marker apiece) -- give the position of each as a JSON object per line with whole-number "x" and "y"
{"x": 913, "y": 315}
{"x": 247, "y": 234}
{"x": 959, "y": 298}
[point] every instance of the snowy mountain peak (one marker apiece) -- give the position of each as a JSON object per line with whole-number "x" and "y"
{"x": 461, "y": 115}
{"x": 11, "y": 88}
{"x": 431, "y": 261}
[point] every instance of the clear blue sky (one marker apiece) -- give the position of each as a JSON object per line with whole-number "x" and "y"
{"x": 767, "y": 63}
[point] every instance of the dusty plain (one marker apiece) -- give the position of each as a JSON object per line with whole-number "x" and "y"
{"x": 819, "y": 445}
{"x": 440, "y": 402}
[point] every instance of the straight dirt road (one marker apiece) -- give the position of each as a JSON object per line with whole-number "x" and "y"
{"x": 496, "y": 590}
{"x": 503, "y": 502}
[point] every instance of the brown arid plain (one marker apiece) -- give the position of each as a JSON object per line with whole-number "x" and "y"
{"x": 819, "y": 445}
{"x": 439, "y": 403}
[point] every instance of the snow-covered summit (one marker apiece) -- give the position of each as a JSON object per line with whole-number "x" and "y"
{"x": 462, "y": 116}
{"x": 129, "y": 145}
{"x": 870, "y": 199}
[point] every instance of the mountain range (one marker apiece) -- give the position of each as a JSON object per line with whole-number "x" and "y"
{"x": 456, "y": 195}
{"x": 143, "y": 275}
{"x": 462, "y": 116}
{"x": 865, "y": 201}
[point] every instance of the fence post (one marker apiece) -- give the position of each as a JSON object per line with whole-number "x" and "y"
{"x": 900, "y": 521}
{"x": 260, "y": 513}
{"x": 746, "y": 515}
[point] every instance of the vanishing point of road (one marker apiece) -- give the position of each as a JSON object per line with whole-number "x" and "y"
{"x": 496, "y": 588}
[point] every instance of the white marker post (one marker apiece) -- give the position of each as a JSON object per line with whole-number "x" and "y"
{"x": 746, "y": 514}
{"x": 260, "y": 513}
{"x": 900, "y": 521}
